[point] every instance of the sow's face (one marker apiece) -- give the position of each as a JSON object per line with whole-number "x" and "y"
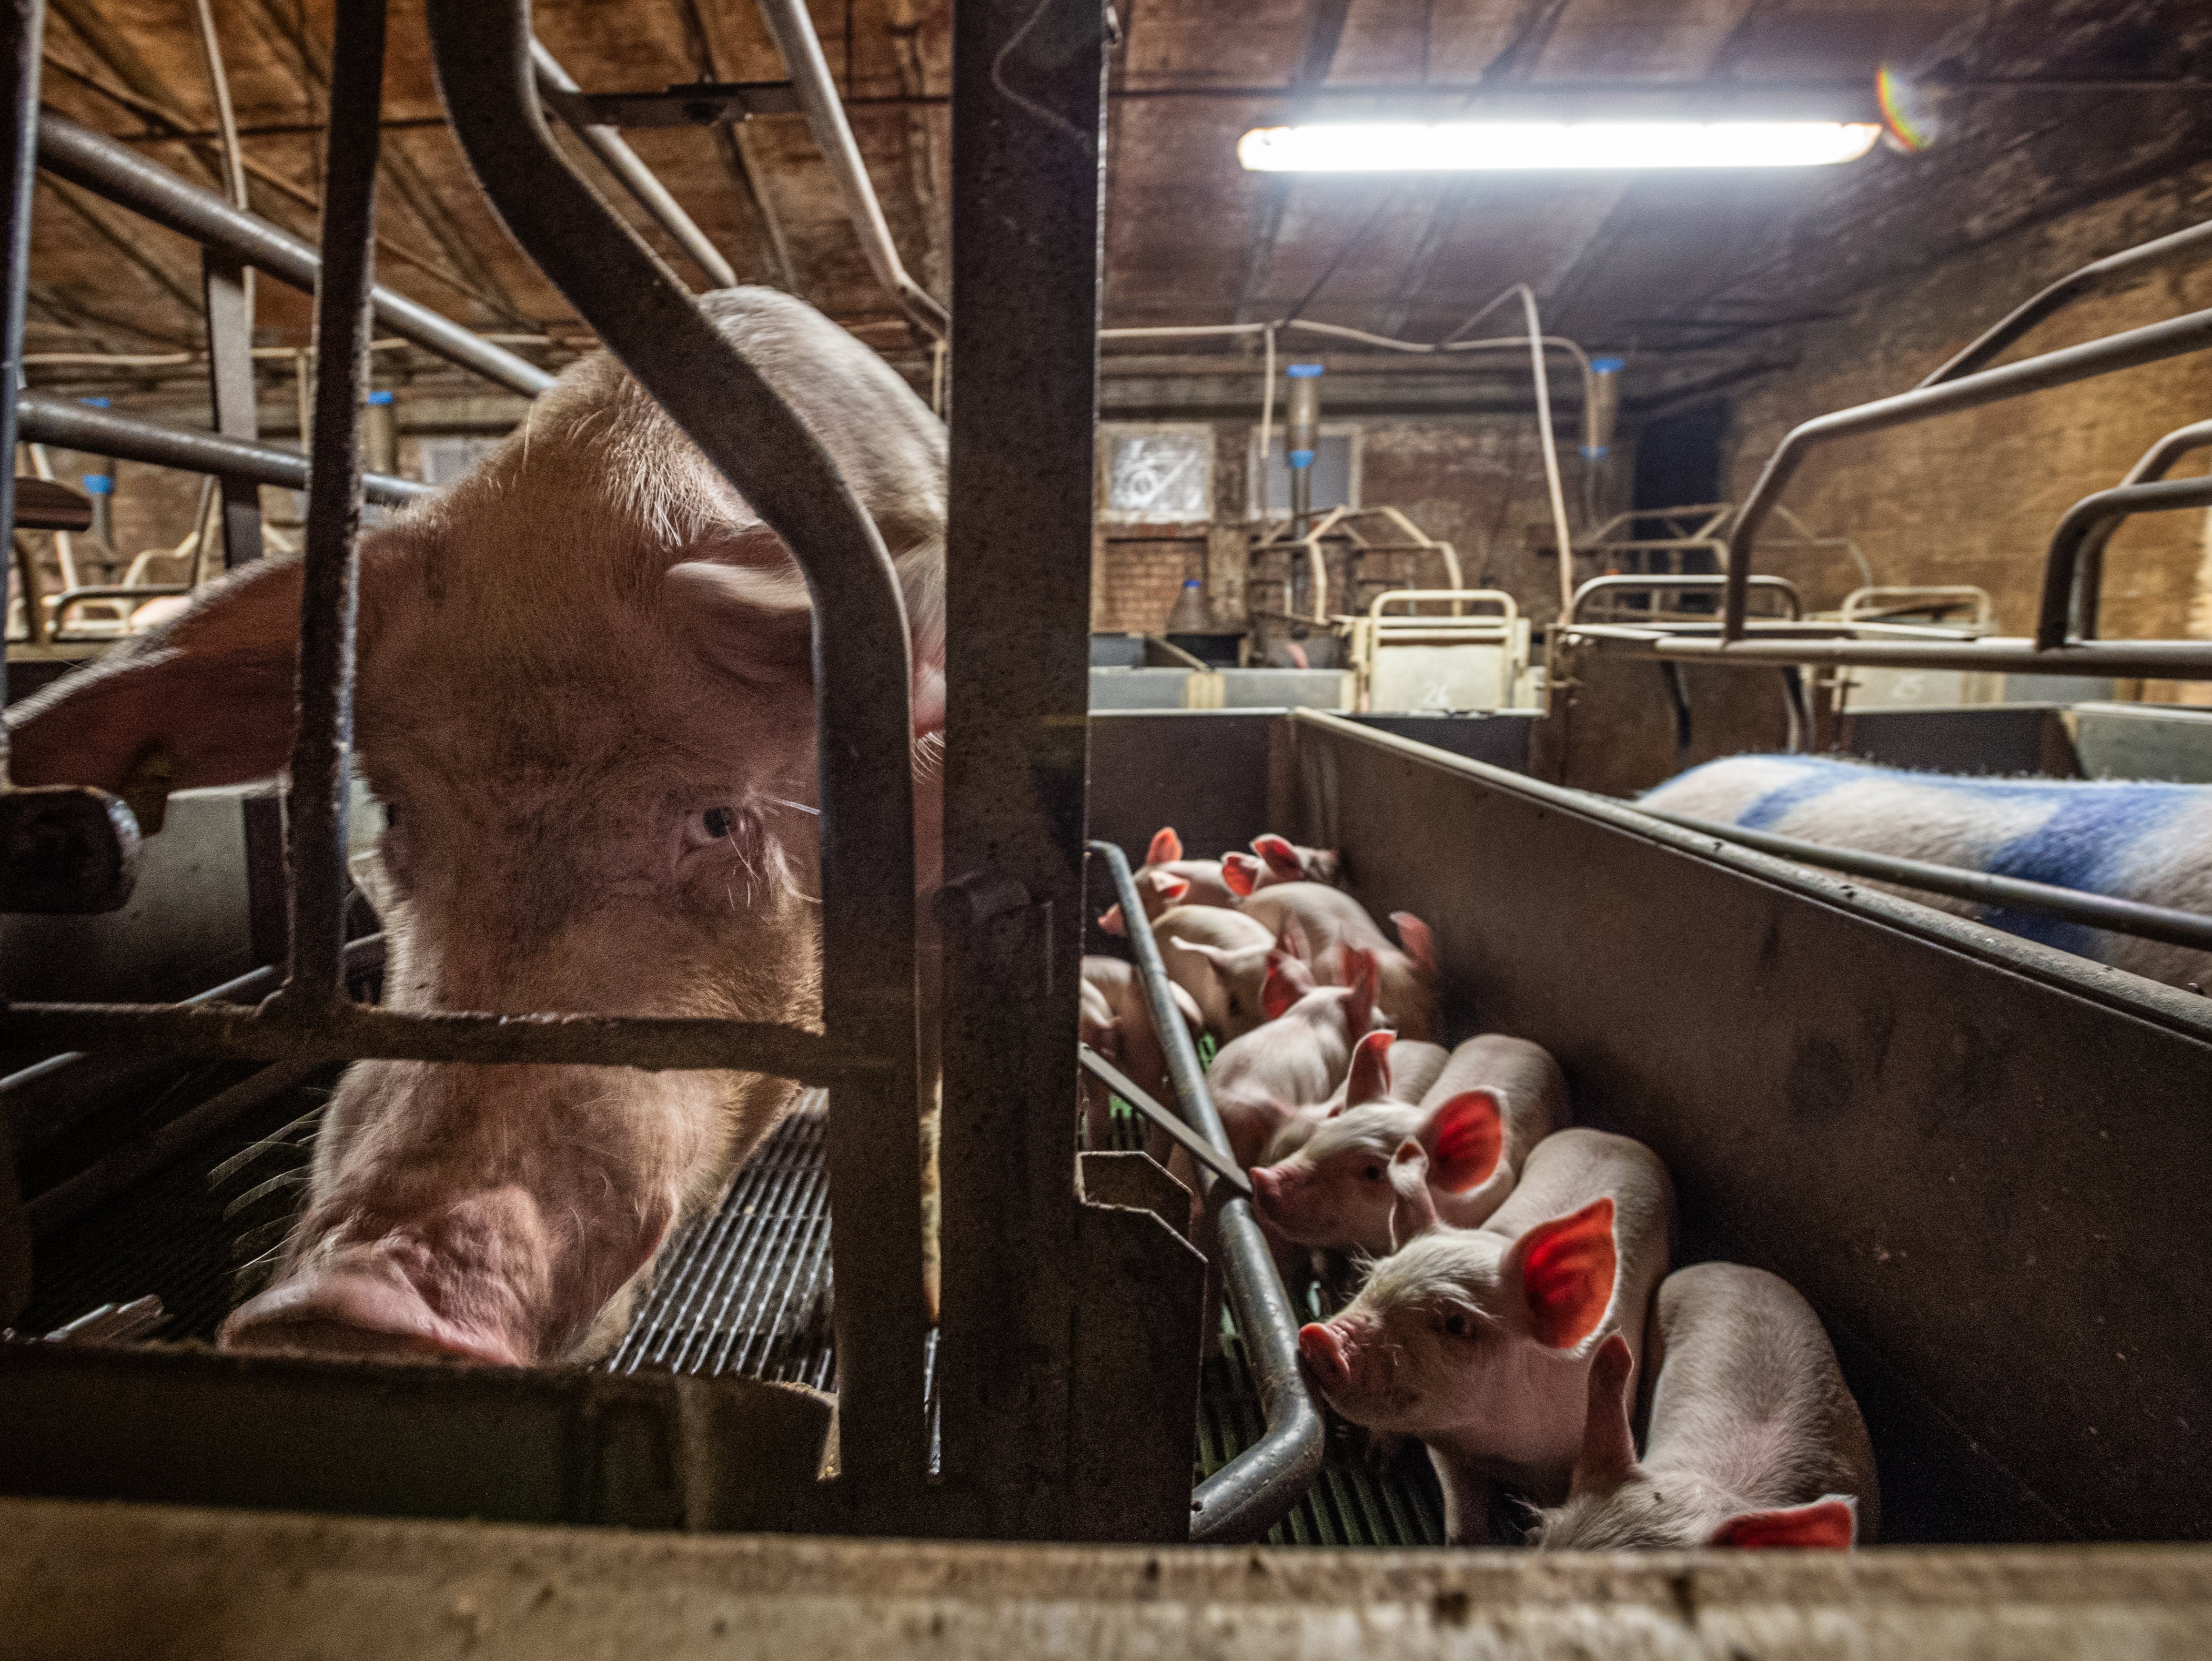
{"x": 591, "y": 816}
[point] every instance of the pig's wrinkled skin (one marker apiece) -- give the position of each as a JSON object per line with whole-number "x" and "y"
{"x": 585, "y": 691}
{"x": 1331, "y": 922}
{"x": 1478, "y": 1341}
{"x": 1166, "y": 879}
{"x": 1276, "y": 859}
{"x": 1754, "y": 1439}
{"x": 1209, "y": 951}
{"x": 1261, "y": 1081}
{"x": 1116, "y": 1022}
{"x": 1492, "y": 1102}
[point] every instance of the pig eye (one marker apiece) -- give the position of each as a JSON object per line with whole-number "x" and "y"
{"x": 709, "y": 826}
{"x": 1373, "y": 1173}
{"x": 1456, "y": 1325}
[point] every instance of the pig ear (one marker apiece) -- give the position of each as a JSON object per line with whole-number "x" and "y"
{"x": 1412, "y": 1208}
{"x": 1608, "y": 1455}
{"x": 1830, "y": 1524}
{"x": 1240, "y": 871}
{"x": 1166, "y": 849}
{"x": 1369, "y": 1080}
{"x": 1466, "y": 1136}
{"x": 753, "y": 622}
{"x": 1187, "y": 1007}
{"x": 1213, "y": 954}
{"x": 1420, "y": 945}
{"x": 1111, "y": 920}
{"x": 1567, "y": 1269}
{"x": 1278, "y": 991}
{"x": 1361, "y": 973}
{"x": 1282, "y": 858}
{"x": 1290, "y": 941}
{"x": 208, "y": 699}
{"x": 1170, "y": 888}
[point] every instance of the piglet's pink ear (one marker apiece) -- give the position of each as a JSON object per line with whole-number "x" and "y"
{"x": 1828, "y": 1525}
{"x": 1282, "y": 858}
{"x": 207, "y": 699}
{"x": 1279, "y": 991}
{"x": 1412, "y": 1208}
{"x": 1240, "y": 871}
{"x": 1170, "y": 888}
{"x": 1567, "y": 1268}
{"x": 1420, "y": 944}
{"x": 754, "y": 622}
{"x": 1608, "y": 1455}
{"x": 1363, "y": 974}
{"x": 1369, "y": 1079}
{"x": 1467, "y": 1137}
{"x": 1111, "y": 920}
{"x": 1167, "y": 847}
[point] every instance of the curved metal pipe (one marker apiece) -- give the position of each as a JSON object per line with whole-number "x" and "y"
{"x": 2089, "y": 572}
{"x": 75, "y": 426}
{"x": 2102, "y": 512}
{"x": 1253, "y": 1491}
{"x": 2061, "y": 294}
{"x": 2125, "y": 350}
{"x": 795, "y": 38}
{"x": 127, "y": 179}
{"x": 862, "y": 708}
{"x": 614, "y": 152}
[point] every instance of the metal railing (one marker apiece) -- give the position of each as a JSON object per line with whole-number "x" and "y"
{"x": 1253, "y": 1491}
{"x": 1964, "y": 384}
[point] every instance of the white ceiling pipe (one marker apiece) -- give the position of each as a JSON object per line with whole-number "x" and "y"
{"x": 795, "y": 38}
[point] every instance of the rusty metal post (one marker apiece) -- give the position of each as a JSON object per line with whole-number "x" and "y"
{"x": 1028, "y": 99}
{"x": 322, "y": 755}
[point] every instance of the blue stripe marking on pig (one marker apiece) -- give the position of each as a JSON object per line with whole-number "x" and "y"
{"x": 2092, "y": 824}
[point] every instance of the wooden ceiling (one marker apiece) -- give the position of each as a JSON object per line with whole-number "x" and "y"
{"x": 1689, "y": 271}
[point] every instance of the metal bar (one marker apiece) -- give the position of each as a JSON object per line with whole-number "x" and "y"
{"x": 50, "y": 419}
{"x": 354, "y": 1032}
{"x": 2097, "y": 911}
{"x": 794, "y": 30}
{"x": 1251, "y": 1493}
{"x": 626, "y": 165}
{"x": 2061, "y": 294}
{"x": 1198, "y": 1147}
{"x": 1782, "y": 586}
{"x": 2102, "y": 512}
{"x": 2126, "y": 350}
{"x": 2173, "y": 660}
{"x": 109, "y": 169}
{"x": 862, "y": 709}
{"x": 50, "y": 1094}
{"x": 1027, "y": 115}
{"x": 26, "y": 22}
{"x": 2089, "y": 570}
{"x": 319, "y": 804}
{"x": 227, "y": 283}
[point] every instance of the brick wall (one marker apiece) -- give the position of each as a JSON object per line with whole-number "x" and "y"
{"x": 1973, "y": 498}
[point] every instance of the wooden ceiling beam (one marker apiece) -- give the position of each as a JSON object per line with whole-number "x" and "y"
{"x": 716, "y": 63}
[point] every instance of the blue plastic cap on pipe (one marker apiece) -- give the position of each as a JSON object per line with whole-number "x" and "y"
{"x": 379, "y": 396}
{"x": 95, "y": 403}
{"x": 1301, "y": 458}
{"x": 1597, "y": 453}
{"x": 1608, "y": 366}
{"x": 1303, "y": 370}
{"x": 98, "y": 484}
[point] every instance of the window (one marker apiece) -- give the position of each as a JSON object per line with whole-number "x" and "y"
{"x": 1156, "y": 475}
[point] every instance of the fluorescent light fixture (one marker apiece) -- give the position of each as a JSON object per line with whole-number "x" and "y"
{"x": 1349, "y": 147}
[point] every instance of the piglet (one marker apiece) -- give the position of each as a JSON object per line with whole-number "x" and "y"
{"x": 1274, "y": 859}
{"x": 1465, "y": 1143}
{"x": 1754, "y": 1440}
{"x": 1166, "y": 879}
{"x": 1331, "y": 922}
{"x": 1478, "y": 1341}
{"x": 1221, "y": 958}
{"x": 1296, "y": 1058}
{"x": 1116, "y": 1022}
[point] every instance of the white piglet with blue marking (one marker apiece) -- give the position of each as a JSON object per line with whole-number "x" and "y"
{"x": 2145, "y": 842}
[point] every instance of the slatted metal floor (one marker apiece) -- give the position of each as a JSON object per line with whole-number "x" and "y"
{"x": 745, "y": 1290}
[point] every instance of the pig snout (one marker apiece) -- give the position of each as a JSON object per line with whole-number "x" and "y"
{"x": 480, "y": 1280}
{"x": 1324, "y": 1351}
{"x": 1266, "y": 1191}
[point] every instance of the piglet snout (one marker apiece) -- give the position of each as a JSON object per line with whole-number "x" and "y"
{"x": 1266, "y": 1189}
{"x": 1323, "y": 1351}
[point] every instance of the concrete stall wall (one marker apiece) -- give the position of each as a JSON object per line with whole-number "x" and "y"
{"x": 1973, "y": 498}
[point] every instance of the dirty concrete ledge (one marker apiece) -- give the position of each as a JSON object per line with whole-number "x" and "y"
{"x": 91, "y": 1579}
